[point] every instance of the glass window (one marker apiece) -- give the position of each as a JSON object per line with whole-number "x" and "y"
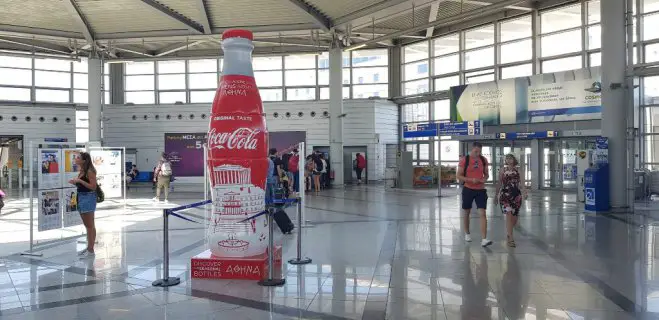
{"x": 445, "y": 83}
{"x": 523, "y": 70}
{"x": 52, "y": 64}
{"x": 267, "y": 63}
{"x": 595, "y": 37}
{"x": 16, "y": 77}
{"x": 52, "y": 79}
{"x": 561, "y": 18}
{"x": 479, "y": 76}
{"x": 323, "y": 76}
{"x": 172, "y": 97}
{"x": 367, "y": 58}
{"x": 47, "y": 95}
{"x": 446, "y": 44}
{"x": 172, "y": 66}
{"x": 593, "y": 11}
{"x": 441, "y": 110}
{"x": 479, "y": 58}
{"x": 271, "y": 94}
{"x": 323, "y": 60}
{"x": 140, "y": 97}
{"x": 450, "y": 150}
{"x": 202, "y": 80}
{"x": 146, "y": 67}
{"x": 268, "y": 78}
{"x": 135, "y": 83}
{"x": 414, "y": 52}
{"x": 650, "y": 27}
{"x": 80, "y": 96}
{"x": 324, "y": 93}
{"x": 651, "y": 87}
{"x": 82, "y": 119}
{"x": 563, "y": 64}
{"x": 171, "y": 81}
{"x": 15, "y": 62}
{"x": 82, "y": 135}
{"x": 649, "y": 5}
{"x": 202, "y": 65}
{"x": 80, "y": 66}
{"x": 652, "y": 53}
{"x": 300, "y": 77}
{"x": 424, "y": 151}
{"x": 415, "y": 87}
{"x": 293, "y": 94}
{"x": 561, "y": 43}
{"x": 595, "y": 59}
{"x": 202, "y": 96}
{"x": 14, "y": 94}
{"x": 516, "y": 29}
{"x": 446, "y": 64}
{"x": 416, "y": 112}
{"x": 306, "y": 61}
{"x": 479, "y": 37}
{"x": 415, "y": 70}
{"x": 370, "y": 75}
{"x": 367, "y": 91}
{"x": 80, "y": 81}
{"x": 516, "y": 51}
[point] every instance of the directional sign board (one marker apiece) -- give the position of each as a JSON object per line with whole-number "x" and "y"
{"x": 464, "y": 128}
{"x": 418, "y": 130}
{"x": 527, "y": 135}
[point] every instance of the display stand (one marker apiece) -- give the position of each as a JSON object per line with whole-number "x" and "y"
{"x": 30, "y": 251}
{"x": 302, "y": 223}
{"x": 270, "y": 281}
{"x": 299, "y": 260}
{"x": 122, "y": 173}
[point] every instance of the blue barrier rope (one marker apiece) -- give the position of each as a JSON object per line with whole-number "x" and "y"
{"x": 192, "y": 205}
{"x": 286, "y": 202}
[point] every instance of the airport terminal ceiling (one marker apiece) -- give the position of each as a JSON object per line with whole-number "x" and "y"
{"x": 139, "y": 29}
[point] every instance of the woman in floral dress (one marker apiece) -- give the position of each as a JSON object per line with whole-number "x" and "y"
{"x": 510, "y": 190}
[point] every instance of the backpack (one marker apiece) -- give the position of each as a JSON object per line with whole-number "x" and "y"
{"x": 166, "y": 169}
{"x": 483, "y": 160}
{"x": 294, "y": 163}
{"x": 284, "y": 161}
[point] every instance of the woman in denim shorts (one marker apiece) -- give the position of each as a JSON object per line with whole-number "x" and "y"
{"x": 86, "y": 184}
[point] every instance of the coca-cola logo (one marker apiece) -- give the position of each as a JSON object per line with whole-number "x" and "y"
{"x": 240, "y": 139}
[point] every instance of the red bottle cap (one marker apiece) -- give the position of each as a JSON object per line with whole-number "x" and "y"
{"x": 237, "y": 33}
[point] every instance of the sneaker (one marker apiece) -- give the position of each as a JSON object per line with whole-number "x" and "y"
{"x": 486, "y": 243}
{"x": 82, "y": 252}
{"x": 166, "y": 201}
{"x": 155, "y": 199}
{"x": 86, "y": 254}
{"x": 468, "y": 237}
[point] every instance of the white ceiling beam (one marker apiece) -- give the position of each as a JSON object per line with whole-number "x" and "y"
{"x": 205, "y": 21}
{"x": 489, "y": 2}
{"x": 177, "y": 47}
{"x": 133, "y": 51}
{"x": 366, "y": 13}
{"x": 323, "y": 22}
{"x": 434, "y": 10}
{"x": 76, "y": 14}
{"x": 37, "y": 45}
{"x": 293, "y": 42}
{"x": 189, "y": 23}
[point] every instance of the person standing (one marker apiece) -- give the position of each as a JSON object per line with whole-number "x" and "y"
{"x": 294, "y": 169}
{"x": 163, "y": 177}
{"x": 274, "y": 172}
{"x": 325, "y": 172}
{"x": 472, "y": 171}
{"x": 317, "y": 172}
{"x": 86, "y": 184}
{"x": 510, "y": 190}
{"x": 360, "y": 165}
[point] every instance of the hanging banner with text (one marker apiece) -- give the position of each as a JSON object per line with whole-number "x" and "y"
{"x": 563, "y": 96}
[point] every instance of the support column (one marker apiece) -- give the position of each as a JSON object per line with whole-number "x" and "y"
{"x": 336, "y": 111}
{"x": 94, "y": 78}
{"x": 535, "y": 165}
{"x": 614, "y": 113}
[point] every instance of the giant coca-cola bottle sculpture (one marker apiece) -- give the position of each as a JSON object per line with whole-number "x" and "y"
{"x": 237, "y": 155}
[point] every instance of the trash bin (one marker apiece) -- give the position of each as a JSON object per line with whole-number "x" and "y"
{"x": 640, "y": 184}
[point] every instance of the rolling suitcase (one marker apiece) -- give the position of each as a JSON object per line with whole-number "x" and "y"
{"x": 283, "y": 221}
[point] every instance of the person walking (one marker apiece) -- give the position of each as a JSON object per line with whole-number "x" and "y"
{"x": 510, "y": 190}
{"x": 472, "y": 172}
{"x": 86, "y": 185}
{"x": 163, "y": 177}
{"x": 317, "y": 172}
{"x": 324, "y": 174}
{"x": 360, "y": 165}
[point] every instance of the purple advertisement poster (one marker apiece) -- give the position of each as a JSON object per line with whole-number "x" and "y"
{"x": 286, "y": 141}
{"x": 186, "y": 152}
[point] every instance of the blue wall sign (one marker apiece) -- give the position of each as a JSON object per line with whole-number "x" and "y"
{"x": 418, "y": 130}
{"x": 464, "y": 128}
{"x": 527, "y": 135}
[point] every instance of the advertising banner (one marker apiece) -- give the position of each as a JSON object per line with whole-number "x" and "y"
{"x": 286, "y": 141}
{"x": 71, "y": 169}
{"x": 108, "y": 171}
{"x": 601, "y": 152}
{"x": 50, "y": 214}
{"x": 70, "y": 216}
{"x": 50, "y": 176}
{"x": 186, "y": 153}
{"x": 564, "y": 96}
{"x": 423, "y": 176}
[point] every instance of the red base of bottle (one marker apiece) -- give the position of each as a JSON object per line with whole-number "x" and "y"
{"x": 207, "y": 266}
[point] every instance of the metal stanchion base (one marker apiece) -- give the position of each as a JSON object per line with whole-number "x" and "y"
{"x": 32, "y": 254}
{"x": 272, "y": 282}
{"x": 304, "y": 260}
{"x": 171, "y": 281}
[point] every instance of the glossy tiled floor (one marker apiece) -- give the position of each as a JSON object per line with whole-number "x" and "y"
{"x": 376, "y": 255}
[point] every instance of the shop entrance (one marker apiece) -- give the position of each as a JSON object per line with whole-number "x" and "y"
{"x": 559, "y": 161}
{"x": 495, "y": 152}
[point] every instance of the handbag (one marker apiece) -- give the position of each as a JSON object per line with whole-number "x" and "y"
{"x": 100, "y": 195}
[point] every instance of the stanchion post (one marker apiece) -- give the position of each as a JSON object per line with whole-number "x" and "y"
{"x": 271, "y": 282}
{"x": 30, "y": 252}
{"x": 166, "y": 280}
{"x": 299, "y": 260}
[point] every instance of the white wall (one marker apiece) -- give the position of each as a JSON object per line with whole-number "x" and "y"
{"x": 34, "y": 129}
{"x": 147, "y": 136}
